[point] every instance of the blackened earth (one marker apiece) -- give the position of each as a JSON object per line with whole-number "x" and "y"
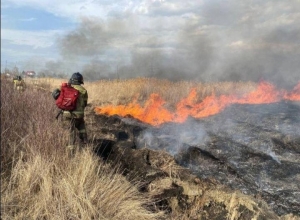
{"x": 251, "y": 148}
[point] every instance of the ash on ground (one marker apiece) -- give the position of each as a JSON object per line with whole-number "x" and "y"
{"x": 252, "y": 148}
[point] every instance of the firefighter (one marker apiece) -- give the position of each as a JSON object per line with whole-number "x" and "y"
{"x": 19, "y": 83}
{"x": 74, "y": 120}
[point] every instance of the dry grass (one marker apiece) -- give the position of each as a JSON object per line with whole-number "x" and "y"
{"x": 40, "y": 181}
{"x": 81, "y": 188}
{"x": 117, "y": 92}
{"x": 124, "y": 91}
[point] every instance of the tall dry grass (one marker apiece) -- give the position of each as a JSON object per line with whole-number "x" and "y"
{"x": 85, "y": 188}
{"x": 28, "y": 119}
{"x": 118, "y": 92}
{"x": 40, "y": 181}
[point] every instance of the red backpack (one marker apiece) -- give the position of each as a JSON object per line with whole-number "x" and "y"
{"x": 67, "y": 98}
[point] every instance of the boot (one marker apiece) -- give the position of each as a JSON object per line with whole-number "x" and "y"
{"x": 83, "y": 138}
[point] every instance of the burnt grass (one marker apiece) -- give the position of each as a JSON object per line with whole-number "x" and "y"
{"x": 250, "y": 148}
{"x": 257, "y": 149}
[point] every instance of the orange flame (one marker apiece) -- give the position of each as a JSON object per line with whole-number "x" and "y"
{"x": 294, "y": 95}
{"x": 265, "y": 93}
{"x": 154, "y": 112}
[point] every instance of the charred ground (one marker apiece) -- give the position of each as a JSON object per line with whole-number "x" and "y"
{"x": 243, "y": 162}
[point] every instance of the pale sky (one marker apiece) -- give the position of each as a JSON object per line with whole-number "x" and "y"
{"x": 204, "y": 40}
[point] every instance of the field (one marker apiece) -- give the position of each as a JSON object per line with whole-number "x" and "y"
{"x": 40, "y": 181}
{"x": 117, "y": 92}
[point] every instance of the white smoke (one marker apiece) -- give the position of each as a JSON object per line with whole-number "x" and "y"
{"x": 172, "y": 137}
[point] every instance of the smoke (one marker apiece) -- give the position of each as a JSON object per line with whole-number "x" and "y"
{"x": 174, "y": 138}
{"x": 207, "y": 41}
{"x": 272, "y": 57}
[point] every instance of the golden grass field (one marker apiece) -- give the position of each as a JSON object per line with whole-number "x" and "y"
{"x": 117, "y": 92}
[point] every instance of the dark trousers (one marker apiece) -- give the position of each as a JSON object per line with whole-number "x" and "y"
{"x": 75, "y": 125}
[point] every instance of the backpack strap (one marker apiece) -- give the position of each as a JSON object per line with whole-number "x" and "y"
{"x": 59, "y": 113}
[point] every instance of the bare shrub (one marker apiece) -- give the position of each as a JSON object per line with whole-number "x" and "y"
{"x": 28, "y": 118}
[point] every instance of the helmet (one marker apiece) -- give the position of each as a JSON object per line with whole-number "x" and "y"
{"x": 19, "y": 78}
{"x": 76, "y": 79}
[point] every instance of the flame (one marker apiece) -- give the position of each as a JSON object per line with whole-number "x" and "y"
{"x": 155, "y": 113}
{"x": 265, "y": 93}
{"x": 294, "y": 95}
{"x": 152, "y": 113}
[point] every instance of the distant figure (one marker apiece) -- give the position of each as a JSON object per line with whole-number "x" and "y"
{"x": 74, "y": 119}
{"x": 7, "y": 76}
{"x": 19, "y": 83}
